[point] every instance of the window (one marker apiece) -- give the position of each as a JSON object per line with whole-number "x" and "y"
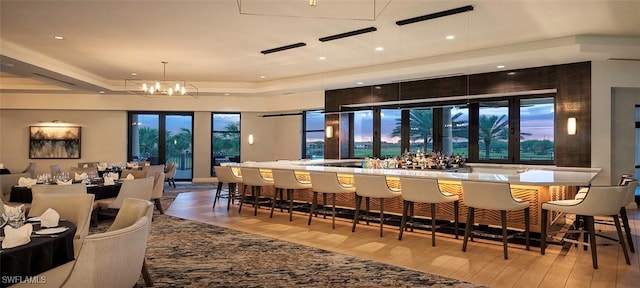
{"x": 516, "y": 129}
{"x": 536, "y": 129}
{"x": 390, "y": 132}
{"x": 421, "y": 130}
{"x": 313, "y": 136}
{"x": 162, "y": 138}
{"x": 363, "y": 134}
{"x": 455, "y": 130}
{"x": 225, "y": 138}
{"x": 493, "y": 130}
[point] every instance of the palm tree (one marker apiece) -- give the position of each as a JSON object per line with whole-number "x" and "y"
{"x": 492, "y": 128}
{"x": 421, "y": 123}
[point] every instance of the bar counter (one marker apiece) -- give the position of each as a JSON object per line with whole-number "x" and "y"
{"x": 536, "y": 184}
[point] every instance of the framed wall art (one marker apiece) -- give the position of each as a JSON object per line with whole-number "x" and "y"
{"x": 54, "y": 142}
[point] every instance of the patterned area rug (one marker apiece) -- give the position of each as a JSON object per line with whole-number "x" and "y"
{"x": 183, "y": 253}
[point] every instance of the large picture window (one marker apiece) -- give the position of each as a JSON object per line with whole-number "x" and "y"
{"x": 363, "y": 133}
{"x": 313, "y": 142}
{"x": 517, "y": 129}
{"x": 163, "y": 137}
{"x": 536, "y": 129}
{"x": 225, "y": 138}
{"x": 493, "y": 130}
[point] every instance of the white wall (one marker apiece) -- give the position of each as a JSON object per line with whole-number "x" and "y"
{"x": 623, "y": 129}
{"x": 605, "y": 76}
{"x": 103, "y": 136}
{"x": 103, "y": 119}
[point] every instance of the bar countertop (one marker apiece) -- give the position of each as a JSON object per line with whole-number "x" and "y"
{"x": 536, "y": 175}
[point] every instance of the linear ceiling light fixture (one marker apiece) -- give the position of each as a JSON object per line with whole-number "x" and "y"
{"x": 435, "y": 15}
{"x": 347, "y": 34}
{"x": 301, "y": 44}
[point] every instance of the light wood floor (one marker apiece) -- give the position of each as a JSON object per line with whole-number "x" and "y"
{"x": 483, "y": 263}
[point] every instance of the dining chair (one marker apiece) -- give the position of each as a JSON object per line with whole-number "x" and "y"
{"x": 599, "y": 201}
{"x": 91, "y": 170}
{"x": 153, "y": 169}
{"x": 109, "y": 259}
{"x": 31, "y": 170}
{"x": 170, "y": 174}
{"x": 372, "y": 186}
{"x": 7, "y": 181}
{"x": 75, "y": 188}
{"x": 327, "y": 183}
{"x": 492, "y": 196}
{"x": 132, "y": 210}
{"x": 135, "y": 188}
{"x": 426, "y": 190}
{"x": 251, "y": 178}
{"x": 287, "y": 180}
{"x": 225, "y": 174}
{"x": 158, "y": 190}
{"x": 73, "y": 207}
{"x": 55, "y": 169}
{"x": 137, "y": 174}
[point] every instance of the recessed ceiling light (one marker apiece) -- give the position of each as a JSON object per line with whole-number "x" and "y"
{"x": 360, "y": 83}
{"x": 58, "y": 37}
{"x": 450, "y": 37}
{"x": 322, "y": 58}
{"x": 226, "y": 94}
{"x": 262, "y": 76}
{"x": 379, "y": 48}
{"x": 511, "y": 73}
{"x": 500, "y": 66}
{"x": 134, "y": 74}
{"x": 101, "y": 92}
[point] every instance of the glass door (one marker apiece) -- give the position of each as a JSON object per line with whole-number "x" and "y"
{"x": 161, "y": 138}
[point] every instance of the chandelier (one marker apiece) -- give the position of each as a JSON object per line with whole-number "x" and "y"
{"x": 162, "y": 87}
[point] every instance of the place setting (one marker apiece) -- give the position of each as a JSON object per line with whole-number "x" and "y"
{"x": 18, "y": 231}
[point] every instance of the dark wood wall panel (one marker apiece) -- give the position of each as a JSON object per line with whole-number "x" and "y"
{"x": 513, "y": 80}
{"x": 573, "y": 99}
{"x": 432, "y": 88}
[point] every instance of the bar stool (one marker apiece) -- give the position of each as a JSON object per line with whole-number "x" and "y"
{"x": 630, "y": 198}
{"x": 225, "y": 174}
{"x": 599, "y": 201}
{"x": 251, "y": 177}
{"x": 426, "y": 190}
{"x": 493, "y": 196}
{"x": 287, "y": 180}
{"x": 372, "y": 186}
{"x": 327, "y": 183}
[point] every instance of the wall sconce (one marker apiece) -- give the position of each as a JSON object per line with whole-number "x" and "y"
{"x": 572, "y": 126}
{"x": 329, "y": 132}
{"x": 250, "y": 139}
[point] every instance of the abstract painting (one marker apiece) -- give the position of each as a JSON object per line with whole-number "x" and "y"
{"x": 54, "y": 142}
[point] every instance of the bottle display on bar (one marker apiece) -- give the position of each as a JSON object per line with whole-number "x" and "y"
{"x": 417, "y": 160}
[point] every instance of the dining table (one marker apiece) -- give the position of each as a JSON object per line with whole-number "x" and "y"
{"x": 46, "y": 250}
{"x": 23, "y": 194}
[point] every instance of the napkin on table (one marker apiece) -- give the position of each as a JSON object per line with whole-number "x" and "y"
{"x": 26, "y": 181}
{"x": 60, "y": 182}
{"x": 102, "y": 166}
{"x": 82, "y": 176}
{"x": 16, "y": 237}
{"x": 108, "y": 181}
{"x": 49, "y": 218}
{"x": 130, "y": 176}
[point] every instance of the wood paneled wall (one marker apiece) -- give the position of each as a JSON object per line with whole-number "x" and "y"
{"x": 573, "y": 99}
